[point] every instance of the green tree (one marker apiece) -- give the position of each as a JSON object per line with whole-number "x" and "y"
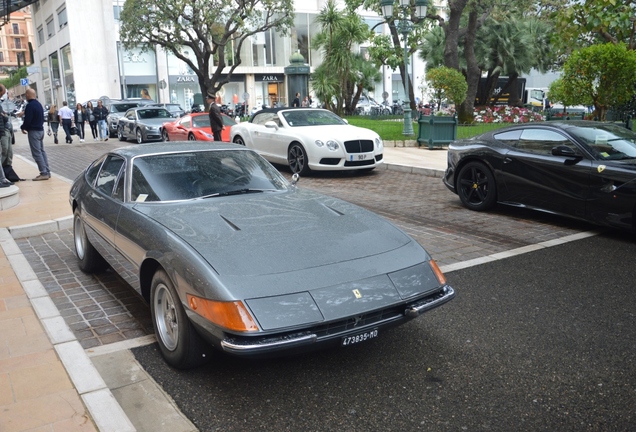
{"x": 566, "y": 95}
{"x": 447, "y": 84}
{"x": 602, "y": 75}
{"x": 341, "y": 31}
{"x": 587, "y": 22}
{"x": 212, "y": 31}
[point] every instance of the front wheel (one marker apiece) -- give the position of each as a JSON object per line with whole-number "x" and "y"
{"x": 239, "y": 140}
{"x": 90, "y": 261}
{"x": 180, "y": 344}
{"x": 140, "y": 136}
{"x": 191, "y": 137}
{"x": 476, "y": 187}
{"x": 297, "y": 159}
{"x": 120, "y": 134}
{"x": 164, "y": 135}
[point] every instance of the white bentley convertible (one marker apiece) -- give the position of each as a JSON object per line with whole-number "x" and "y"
{"x": 309, "y": 139}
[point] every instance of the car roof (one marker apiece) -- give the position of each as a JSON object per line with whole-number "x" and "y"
{"x": 169, "y": 147}
{"x": 276, "y": 110}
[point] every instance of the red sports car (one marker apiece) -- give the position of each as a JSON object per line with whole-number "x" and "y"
{"x": 195, "y": 127}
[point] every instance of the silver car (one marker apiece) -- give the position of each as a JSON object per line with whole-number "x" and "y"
{"x": 231, "y": 255}
{"x": 144, "y": 123}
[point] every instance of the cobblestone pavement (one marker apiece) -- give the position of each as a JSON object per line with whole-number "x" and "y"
{"x": 102, "y": 309}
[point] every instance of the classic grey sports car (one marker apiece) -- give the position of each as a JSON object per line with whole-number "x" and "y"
{"x": 229, "y": 254}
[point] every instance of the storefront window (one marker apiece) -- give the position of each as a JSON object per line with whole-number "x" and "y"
{"x": 184, "y": 84}
{"x": 139, "y": 73}
{"x": 67, "y": 67}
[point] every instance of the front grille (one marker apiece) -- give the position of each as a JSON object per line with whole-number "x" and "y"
{"x": 359, "y": 163}
{"x": 360, "y": 321}
{"x": 359, "y": 146}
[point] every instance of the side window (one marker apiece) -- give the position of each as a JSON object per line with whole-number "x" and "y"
{"x": 510, "y": 137}
{"x": 91, "y": 173}
{"x": 118, "y": 193}
{"x": 542, "y": 141}
{"x": 186, "y": 123}
{"x": 108, "y": 174}
{"x": 263, "y": 118}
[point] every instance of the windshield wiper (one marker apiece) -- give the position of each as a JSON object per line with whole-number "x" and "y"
{"x": 238, "y": 192}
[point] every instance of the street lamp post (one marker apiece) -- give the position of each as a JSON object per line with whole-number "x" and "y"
{"x": 405, "y": 26}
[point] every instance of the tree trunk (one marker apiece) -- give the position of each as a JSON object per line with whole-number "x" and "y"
{"x": 451, "y": 31}
{"x": 473, "y": 73}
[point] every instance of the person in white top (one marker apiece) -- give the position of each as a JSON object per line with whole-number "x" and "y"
{"x": 66, "y": 118}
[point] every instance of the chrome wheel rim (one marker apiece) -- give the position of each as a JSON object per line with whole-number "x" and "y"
{"x": 239, "y": 141}
{"x": 166, "y": 317}
{"x": 296, "y": 159}
{"x": 140, "y": 138}
{"x": 79, "y": 236}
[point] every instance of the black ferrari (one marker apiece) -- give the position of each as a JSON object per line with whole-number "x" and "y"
{"x": 580, "y": 169}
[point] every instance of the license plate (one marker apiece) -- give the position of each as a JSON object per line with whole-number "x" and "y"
{"x": 358, "y": 157}
{"x": 360, "y": 337}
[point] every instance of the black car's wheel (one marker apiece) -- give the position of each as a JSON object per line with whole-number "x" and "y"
{"x": 139, "y": 136}
{"x": 120, "y": 134}
{"x": 476, "y": 186}
{"x": 239, "y": 140}
{"x": 297, "y": 159}
{"x": 191, "y": 137}
{"x": 180, "y": 345}
{"x": 164, "y": 136}
{"x": 90, "y": 261}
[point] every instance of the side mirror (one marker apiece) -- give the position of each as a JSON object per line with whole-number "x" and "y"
{"x": 295, "y": 179}
{"x": 271, "y": 125}
{"x": 563, "y": 151}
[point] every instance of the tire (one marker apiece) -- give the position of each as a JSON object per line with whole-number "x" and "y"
{"x": 191, "y": 137}
{"x": 164, "y": 135}
{"x": 139, "y": 136}
{"x": 297, "y": 159}
{"x": 476, "y": 187}
{"x": 120, "y": 134}
{"x": 179, "y": 343}
{"x": 90, "y": 261}
{"x": 239, "y": 140}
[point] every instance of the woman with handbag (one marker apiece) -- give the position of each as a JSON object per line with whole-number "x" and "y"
{"x": 80, "y": 118}
{"x": 92, "y": 121}
{"x": 53, "y": 122}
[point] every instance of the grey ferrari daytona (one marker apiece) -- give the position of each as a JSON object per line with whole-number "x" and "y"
{"x": 231, "y": 255}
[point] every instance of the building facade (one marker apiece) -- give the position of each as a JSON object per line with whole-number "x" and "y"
{"x": 80, "y": 57}
{"x": 14, "y": 41}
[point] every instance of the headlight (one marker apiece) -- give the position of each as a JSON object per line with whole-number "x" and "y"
{"x": 378, "y": 143}
{"x": 152, "y": 128}
{"x": 331, "y": 144}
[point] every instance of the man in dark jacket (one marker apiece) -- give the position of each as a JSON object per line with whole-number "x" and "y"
{"x": 33, "y": 126}
{"x": 216, "y": 120}
{"x": 100, "y": 113}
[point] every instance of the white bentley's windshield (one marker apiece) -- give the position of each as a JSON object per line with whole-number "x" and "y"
{"x": 200, "y": 174}
{"x": 311, "y": 117}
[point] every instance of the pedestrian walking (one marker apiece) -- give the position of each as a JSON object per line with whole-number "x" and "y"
{"x": 80, "y": 117}
{"x": 4, "y": 182}
{"x": 53, "y": 122}
{"x": 216, "y": 120}
{"x": 91, "y": 119}
{"x": 66, "y": 118}
{"x": 33, "y": 126}
{"x": 101, "y": 113}
{"x": 296, "y": 101}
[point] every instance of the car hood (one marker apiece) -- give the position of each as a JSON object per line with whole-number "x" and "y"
{"x": 153, "y": 122}
{"x": 273, "y": 233}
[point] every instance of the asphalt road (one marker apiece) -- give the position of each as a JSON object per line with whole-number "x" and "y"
{"x": 543, "y": 341}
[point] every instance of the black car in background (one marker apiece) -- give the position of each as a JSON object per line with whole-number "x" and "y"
{"x": 174, "y": 109}
{"x": 580, "y": 169}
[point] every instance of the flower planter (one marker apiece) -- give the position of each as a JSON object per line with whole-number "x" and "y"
{"x": 436, "y": 131}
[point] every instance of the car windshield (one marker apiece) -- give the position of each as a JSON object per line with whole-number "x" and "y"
{"x": 200, "y": 174}
{"x": 202, "y": 121}
{"x": 153, "y": 113}
{"x": 607, "y": 141}
{"x": 310, "y": 117}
